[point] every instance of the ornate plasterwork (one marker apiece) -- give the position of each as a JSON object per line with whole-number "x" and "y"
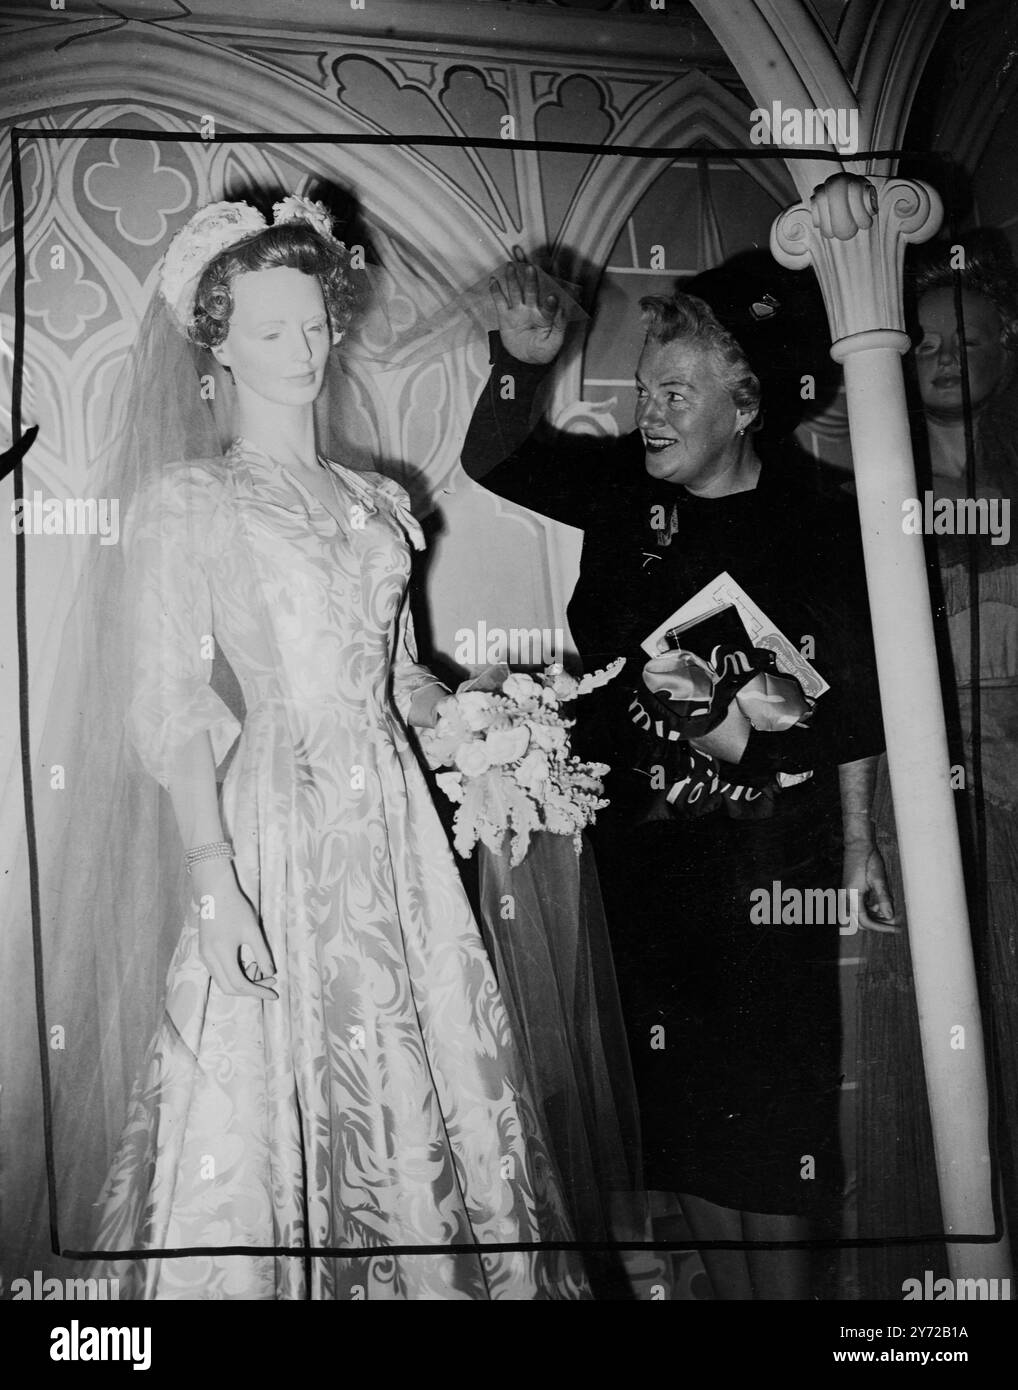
{"x": 853, "y": 231}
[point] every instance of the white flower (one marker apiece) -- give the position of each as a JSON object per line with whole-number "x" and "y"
{"x": 211, "y": 230}
{"x": 506, "y": 745}
{"x": 560, "y": 815}
{"x": 298, "y": 209}
{"x": 551, "y": 737}
{"x": 472, "y": 758}
{"x": 520, "y": 688}
{"x": 602, "y": 677}
{"x": 476, "y": 708}
{"x": 563, "y": 685}
{"x": 451, "y": 783}
{"x": 450, "y": 722}
{"x": 533, "y": 771}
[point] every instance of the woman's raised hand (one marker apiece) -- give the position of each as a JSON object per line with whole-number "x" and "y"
{"x": 531, "y": 328}
{"x": 230, "y": 940}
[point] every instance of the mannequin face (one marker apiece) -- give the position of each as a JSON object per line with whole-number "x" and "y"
{"x": 938, "y": 356}
{"x": 689, "y": 422}
{"x": 279, "y": 336}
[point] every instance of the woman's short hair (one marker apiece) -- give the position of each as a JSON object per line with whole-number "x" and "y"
{"x": 295, "y": 246}
{"x": 988, "y": 269}
{"x": 687, "y": 319}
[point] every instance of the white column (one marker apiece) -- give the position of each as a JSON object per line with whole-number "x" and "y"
{"x": 853, "y": 230}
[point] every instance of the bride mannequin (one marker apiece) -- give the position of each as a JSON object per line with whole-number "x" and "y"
{"x": 333, "y": 1070}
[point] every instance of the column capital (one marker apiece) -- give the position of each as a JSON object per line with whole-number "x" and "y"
{"x": 853, "y": 230}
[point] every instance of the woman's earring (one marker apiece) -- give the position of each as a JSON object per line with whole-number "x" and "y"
{"x": 741, "y": 432}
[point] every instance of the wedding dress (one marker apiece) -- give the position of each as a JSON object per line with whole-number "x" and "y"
{"x": 379, "y": 1102}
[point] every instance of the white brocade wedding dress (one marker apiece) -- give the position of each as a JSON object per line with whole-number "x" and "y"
{"x": 379, "y": 1102}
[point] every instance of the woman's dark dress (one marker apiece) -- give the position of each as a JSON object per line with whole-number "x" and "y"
{"x": 739, "y": 1092}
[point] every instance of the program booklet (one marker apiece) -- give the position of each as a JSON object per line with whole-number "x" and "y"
{"x": 722, "y": 593}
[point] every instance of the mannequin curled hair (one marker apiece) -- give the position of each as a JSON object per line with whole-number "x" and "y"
{"x": 294, "y": 246}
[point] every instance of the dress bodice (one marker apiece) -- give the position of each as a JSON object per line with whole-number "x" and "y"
{"x": 307, "y": 595}
{"x": 305, "y": 600}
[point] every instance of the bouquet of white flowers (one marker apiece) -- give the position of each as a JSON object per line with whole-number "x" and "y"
{"x": 511, "y": 768}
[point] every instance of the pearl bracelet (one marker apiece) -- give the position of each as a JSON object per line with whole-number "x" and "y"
{"x": 217, "y": 849}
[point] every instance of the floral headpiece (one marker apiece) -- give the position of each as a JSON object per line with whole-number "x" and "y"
{"x": 212, "y": 230}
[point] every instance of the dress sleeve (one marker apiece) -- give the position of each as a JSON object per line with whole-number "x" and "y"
{"x": 170, "y": 626}
{"x": 549, "y": 471}
{"x": 414, "y": 688}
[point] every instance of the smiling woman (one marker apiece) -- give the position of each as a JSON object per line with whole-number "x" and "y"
{"x": 696, "y": 397}
{"x": 732, "y": 1021}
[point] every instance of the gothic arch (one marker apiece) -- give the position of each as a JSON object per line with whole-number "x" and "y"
{"x": 387, "y": 178}
{"x": 700, "y": 111}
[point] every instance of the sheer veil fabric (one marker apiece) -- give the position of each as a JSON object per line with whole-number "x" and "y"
{"x": 110, "y": 871}
{"x": 112, "y": 890}
{"x": 545, "y": 929}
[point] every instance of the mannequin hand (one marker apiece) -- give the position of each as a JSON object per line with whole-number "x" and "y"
{"x": 863, "y": 870}
{"x": 443, "y": 706}
{"x": 427, "y": 704}
{"x": 231, "y": 933}
{"x": 531, "y": 330}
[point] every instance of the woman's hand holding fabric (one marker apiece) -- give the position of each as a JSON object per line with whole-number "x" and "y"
{"x": 531, "y": 328}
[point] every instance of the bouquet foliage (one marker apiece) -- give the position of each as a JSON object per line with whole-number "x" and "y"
{"x": 505, "y": 742}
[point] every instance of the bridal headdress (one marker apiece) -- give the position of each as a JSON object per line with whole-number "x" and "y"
{"x": 214, "y": 229}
